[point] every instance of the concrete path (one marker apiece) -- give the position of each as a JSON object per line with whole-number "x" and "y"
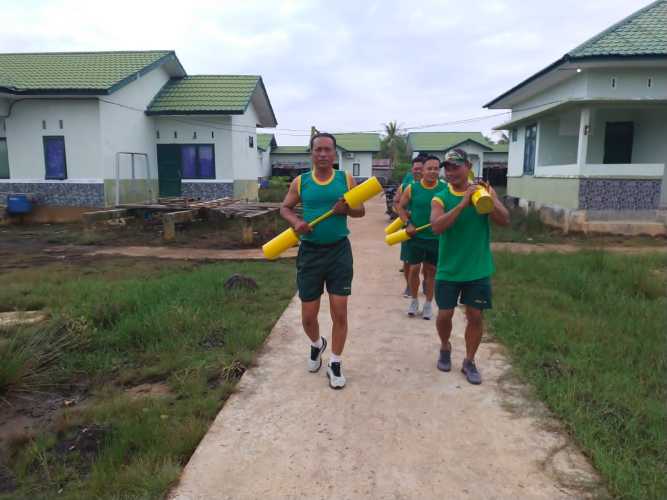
{"x": 400, "y": 429}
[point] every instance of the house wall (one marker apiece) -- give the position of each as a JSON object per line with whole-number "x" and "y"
{"x": 365, "y": 161}
{"x": 209, "y": 130}
{"x": 126, "y": 128}
{"x": 573, "y": 88}
{"x": 495, "y": 157}
{"x": 559, "y": 140}
{"x": 264, "y": 160}
{"x": 277, "y": 158}
{"x": 650, "y": 139}
{"x": 515, "y": 153}
{"x": 631, "y": 83}
{"x": 244, "y": 157}
{"x": 563, "y": 193}
{"x": 81, "y": 129}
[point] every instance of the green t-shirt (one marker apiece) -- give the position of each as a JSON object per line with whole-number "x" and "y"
{"x": 465, "y": 247}
{"x": 407, "y": 180}
{"x": 319, "y": 197}
{"x": 421, "y": 197}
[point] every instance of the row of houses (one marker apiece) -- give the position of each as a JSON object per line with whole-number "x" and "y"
{"x": 588, "y": 133}
{"x": 354, "y": 153}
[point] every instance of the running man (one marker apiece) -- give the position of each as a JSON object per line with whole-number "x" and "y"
{"x": 465, "y": 263}
{"x": 325, "y": 254}
{"x": 414, "y": 175}
{"x": 422, "y": 247}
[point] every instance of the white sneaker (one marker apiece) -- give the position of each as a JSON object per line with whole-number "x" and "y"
{"x": 413, "y": 310}
{"x": 315, "y": 360}
{"x": 427, "y": 312}
{"x": 335, "y": 375}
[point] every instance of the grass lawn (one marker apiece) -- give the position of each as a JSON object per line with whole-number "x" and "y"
{"x": 116, "y": 324}
{"x": 588, "y": 331}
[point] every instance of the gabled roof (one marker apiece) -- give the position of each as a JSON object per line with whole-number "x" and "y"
{"x": 88, "y": 73}
{"x": 266, "y": 142}
{"x": 499, "y": 148}
{"x": 291, "y": 150}
{"x": 359, "y": 142}
{"x": 640, "y": 35}
{"x": 643, "y": 33}
{"x": 443, "y": 141}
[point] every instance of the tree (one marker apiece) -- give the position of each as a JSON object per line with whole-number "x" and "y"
{"x": 504, "y": 139}
{"x": 394, "y": 144}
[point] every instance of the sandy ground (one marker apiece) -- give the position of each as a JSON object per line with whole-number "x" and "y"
{"x": 400, "y": 429}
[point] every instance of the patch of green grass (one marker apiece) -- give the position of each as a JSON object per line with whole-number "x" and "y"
{"x": 168, "y": 322}
{"x": 525, "y": 227}
{"x": 588, "y": 331}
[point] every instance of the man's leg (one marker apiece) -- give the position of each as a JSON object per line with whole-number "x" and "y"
{"x": 414, "y": 280}
{"x": 473, "y": 331}
{"x": 429, "y": 280}
{"x": 444, "y": 326}
{"x": 338, "y": 308}
{"x": 309, "y": 312}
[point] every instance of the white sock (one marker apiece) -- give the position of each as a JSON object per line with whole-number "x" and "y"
{"x": 335, "y": 358}
{"x": 415, "y": 301}
{"x": 318, "y": 344}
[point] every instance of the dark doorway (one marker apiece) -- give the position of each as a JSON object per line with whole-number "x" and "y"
{"x": 618, "y": 140}
{"x": 169, "y": 169}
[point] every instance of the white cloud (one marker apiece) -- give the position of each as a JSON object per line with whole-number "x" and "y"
{"x": 343, "y": 65}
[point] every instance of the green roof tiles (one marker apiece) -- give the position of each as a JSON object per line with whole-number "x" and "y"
{"x": 442, "y": 141}
{"x": 291, "y": 150}
{"x": 499, "y": 148}
{"x": 266, "y": 142}
{"x": 640, "y": 34}
{"x": 205, "y": 94}
{"x": 76, "y": 72}
{"x": 359, "y": 142}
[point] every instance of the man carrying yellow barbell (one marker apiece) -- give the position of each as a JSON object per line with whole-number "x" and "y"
{"x": 325, "y": 254}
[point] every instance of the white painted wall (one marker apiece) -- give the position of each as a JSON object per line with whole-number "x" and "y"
{"x": 650, "y": 136}
{"x": 186, "y": 126}
{"x": 81, "y": 129}
{"x": 631, "y": 83}
{"x": 495, "y": 157}
{"x": 365, "y": 161}
{"x": 515, "y": 157}
{"x": 558, "y": 144}
{"x": 575, "y": 87}
{"x": 244, "y": 157}
{"x": 264, "y": 158}
{"x": 127, "y": 128}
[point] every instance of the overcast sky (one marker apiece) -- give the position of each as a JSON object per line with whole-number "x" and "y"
{"x": 339, "y": 65}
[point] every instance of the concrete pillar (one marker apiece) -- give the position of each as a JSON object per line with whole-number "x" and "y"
{"x": 584, "y": 134}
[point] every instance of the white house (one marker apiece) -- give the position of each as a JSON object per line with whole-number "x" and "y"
{"x": 588, "y": 133}
{"x": 265, "y": 144}
{"x": 93, "y": 129}
{"x": 482, "y": 153}
{"x": 354, "y": 154}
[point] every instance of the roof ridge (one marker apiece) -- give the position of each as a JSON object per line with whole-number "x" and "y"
{"x": 84, "y": 52}
{"x": 627, "y": 19}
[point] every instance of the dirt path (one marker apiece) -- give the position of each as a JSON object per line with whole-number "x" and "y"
{"x": 256, "y": 253}
{"x": 400, "y": 429}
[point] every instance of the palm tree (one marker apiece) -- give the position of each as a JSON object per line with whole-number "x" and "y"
{"x": 393, "y": 143}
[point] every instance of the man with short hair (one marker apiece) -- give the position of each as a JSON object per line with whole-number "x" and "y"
{"x": 415, "y": 174}
{"x": 422, "y": 247}
{"x": 465, "y": 262}
{"x": 325, "y": 254}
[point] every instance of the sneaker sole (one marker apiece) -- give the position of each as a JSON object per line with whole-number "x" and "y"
{"x": 335, "y": 388}
{"x": 324, "y": 348}
{"x": 444, "y": 369}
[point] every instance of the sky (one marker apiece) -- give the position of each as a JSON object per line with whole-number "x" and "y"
{"x": 342, "y": 66}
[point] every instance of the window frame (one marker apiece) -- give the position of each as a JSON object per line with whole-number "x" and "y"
{"x": 197, "y": 164}
{"x": 45, "y": 139}
{"x": 531, "y": 170}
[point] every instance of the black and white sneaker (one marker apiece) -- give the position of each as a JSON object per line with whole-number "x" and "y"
{"x": 335, "y": 375}
{"x": 315, "y": 360}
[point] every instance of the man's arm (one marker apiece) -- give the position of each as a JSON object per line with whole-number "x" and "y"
{"x": 500, "y": 214}
{"x": 397, "y": 197}
{"x": 403, "y": 211}
{"x": 342, "y": 208}
{"x": 287, "y": 212}
{"x": 441, "y": 220}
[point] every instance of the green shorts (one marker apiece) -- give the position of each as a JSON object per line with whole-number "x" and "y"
{"x": 317, "y": 265}
{"x": 404, "y": 251}
{"x": 422, "y": 250}
{"x": 476, "y": 293}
